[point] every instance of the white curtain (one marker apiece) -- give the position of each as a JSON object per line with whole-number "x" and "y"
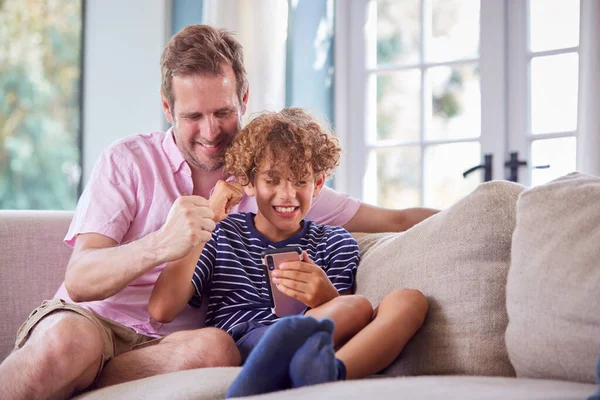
{"x": 588, "y": 147}
{"x": 261, "y": 27}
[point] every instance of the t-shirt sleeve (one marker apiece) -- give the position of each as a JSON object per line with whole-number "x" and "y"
{"x": 203, "y": 272}
{"x": 108, "y": 203}
{"x": 344, "y": 256}
{"x": 332, "y": 208}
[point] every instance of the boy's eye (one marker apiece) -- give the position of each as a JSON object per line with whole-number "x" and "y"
{"x": 301, "y": 183}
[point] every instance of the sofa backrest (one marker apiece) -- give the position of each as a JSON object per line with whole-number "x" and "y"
{"x": 33, "y": 259}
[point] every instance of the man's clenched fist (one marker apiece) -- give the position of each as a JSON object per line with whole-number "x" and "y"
{"x": 190, "y": 222}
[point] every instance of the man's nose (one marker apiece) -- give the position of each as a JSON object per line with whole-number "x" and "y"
{"x": 209, "y": 127}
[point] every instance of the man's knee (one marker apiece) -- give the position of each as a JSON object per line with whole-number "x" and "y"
{"x": 64, "y": 337}
{"x": 203, "y": 348}
{"x": 63, "y": 347}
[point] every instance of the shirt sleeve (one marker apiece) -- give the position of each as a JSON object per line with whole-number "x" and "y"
{"x": 203, "y": 272}
{"x": 108, "y": 203}
{"x": 332, "y": 208}
{"x": 343, "y": 259}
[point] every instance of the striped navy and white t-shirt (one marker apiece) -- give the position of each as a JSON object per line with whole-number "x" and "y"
{"x": 230, "y": 266}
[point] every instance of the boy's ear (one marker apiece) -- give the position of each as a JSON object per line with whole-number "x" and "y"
{"x": 319, "y": 182}
{"x": 250, "y": 190}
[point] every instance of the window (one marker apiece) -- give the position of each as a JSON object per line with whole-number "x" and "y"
{"x": 40, "y": 76}
{"x": 432, "y": 86}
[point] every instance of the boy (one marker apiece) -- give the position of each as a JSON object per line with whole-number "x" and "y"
{"x": 282, "y": 159}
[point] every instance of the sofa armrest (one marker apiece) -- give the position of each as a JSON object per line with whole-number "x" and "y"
{"x": 33, "y": 259}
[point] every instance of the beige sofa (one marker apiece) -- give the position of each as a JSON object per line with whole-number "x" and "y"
{"x": 499, "y": 327}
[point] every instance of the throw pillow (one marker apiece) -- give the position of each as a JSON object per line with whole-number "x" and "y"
{"x": 459, "y": 259}
{"x": 553, "y": 289}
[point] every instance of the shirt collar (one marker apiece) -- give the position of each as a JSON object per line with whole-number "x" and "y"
{"x": 173, "y": 154}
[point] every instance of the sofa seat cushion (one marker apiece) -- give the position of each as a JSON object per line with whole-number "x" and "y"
{"x": 553, "y": 291}
{"x": 459, "y": 259}
{"x": 198, "y": 384}
{"x": 212, "y": 383}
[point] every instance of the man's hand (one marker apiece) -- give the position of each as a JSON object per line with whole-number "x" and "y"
{"x": 305, "y": 281}
{"x": 224, "y": 197}
{"x": 189, "y": 223}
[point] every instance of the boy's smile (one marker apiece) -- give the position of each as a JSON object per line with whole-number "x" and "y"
{"x": 282, "y": 201}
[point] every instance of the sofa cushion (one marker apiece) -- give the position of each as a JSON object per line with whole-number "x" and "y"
{"x": 553, "y": 290}
{"x": 459, "y": 259}
{"x": 198, "y": 384}
{"x": 212, "y": 383}
{"x": 33, "y": 261}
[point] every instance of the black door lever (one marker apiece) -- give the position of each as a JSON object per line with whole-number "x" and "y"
{"x": 487, "y": 168}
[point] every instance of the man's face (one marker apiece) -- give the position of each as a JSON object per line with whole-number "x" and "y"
{"x": 282, "y": 203}
{"x": 206, "y": 115}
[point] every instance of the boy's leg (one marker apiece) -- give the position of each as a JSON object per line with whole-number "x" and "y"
{"x": 350, "y": 313}
{"x": 396, "y": 320}
{"x": 201, "y": 348}
{"x": 267, "y": 367}
{"x": 399, "y": 316}
{"x": 61, "y": 356}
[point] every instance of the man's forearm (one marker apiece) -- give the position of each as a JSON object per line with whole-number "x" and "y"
{"x": 98, "y": 273}
{"x": 413, "y": 216}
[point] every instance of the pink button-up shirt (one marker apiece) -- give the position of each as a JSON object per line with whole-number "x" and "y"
{"x": 130, "y": 193}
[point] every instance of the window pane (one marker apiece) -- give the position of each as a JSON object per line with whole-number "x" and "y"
{"x": 560, "y": 154}
{"x": 398, "y": 31}
{"x": 553, "y": 24}
{"x": 399, "y": 105}
{"x": 554, "y": 81}
{"x": 40, "y": 50}
{"x": 444, "y": 165}
{"x": 394, "y": 174}
{"x": 455, "y": 102}
{"x": 454, "y": 30}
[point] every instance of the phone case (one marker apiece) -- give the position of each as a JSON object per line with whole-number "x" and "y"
{"x": 281, "y": 304}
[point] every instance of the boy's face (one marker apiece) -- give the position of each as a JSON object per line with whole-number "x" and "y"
{"x": 282, "y": 204}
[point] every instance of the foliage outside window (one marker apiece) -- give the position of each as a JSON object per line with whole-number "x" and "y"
{"x": 40, "y": 74}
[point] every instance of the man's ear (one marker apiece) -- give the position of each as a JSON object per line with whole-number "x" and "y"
{"x": 166, "y": 109}
{"x": 250, "y": 190}
{"x": 245, "y": 100}
{"x": 319, "y": 182}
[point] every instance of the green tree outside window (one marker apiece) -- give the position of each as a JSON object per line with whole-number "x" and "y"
{"x": 40, "y": 73}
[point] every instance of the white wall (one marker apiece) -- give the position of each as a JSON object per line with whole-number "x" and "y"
{"x": 123, "y": 44}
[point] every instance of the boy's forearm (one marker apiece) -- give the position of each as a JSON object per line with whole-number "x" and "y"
{"x": 174, "y": 289}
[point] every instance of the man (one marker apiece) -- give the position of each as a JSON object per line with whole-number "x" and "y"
{"x": 145, "y": 205}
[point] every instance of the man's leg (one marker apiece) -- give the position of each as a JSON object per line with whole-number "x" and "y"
{"x": 61, "y": 357}
{"x": 202, "y": 348}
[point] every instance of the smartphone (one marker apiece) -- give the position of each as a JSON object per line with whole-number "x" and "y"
{"x": 281, "y": 304}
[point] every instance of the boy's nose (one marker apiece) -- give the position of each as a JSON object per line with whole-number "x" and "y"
{"x": 287, "y": 190}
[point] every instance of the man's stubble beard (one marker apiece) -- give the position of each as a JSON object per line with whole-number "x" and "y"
{"x": 191, "y": 158}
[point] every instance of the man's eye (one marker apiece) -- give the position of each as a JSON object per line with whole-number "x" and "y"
{"x": 301, "y": 183}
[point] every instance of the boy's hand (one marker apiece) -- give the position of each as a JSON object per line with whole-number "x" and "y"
{"x": 224, "y": 197}
{"x": 305, "y": 281}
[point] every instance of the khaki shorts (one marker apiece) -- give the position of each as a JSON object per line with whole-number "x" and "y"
{"x": 116, "y": 338}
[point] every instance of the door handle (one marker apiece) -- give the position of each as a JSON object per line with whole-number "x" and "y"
{"x": 514, "y": 164}
{"x": 487, "y": 168}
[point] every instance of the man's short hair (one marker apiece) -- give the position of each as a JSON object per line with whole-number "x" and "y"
{"x": 201, "y": 49}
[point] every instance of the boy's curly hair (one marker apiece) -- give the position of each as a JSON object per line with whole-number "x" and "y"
{"x": 291, "y": 138}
